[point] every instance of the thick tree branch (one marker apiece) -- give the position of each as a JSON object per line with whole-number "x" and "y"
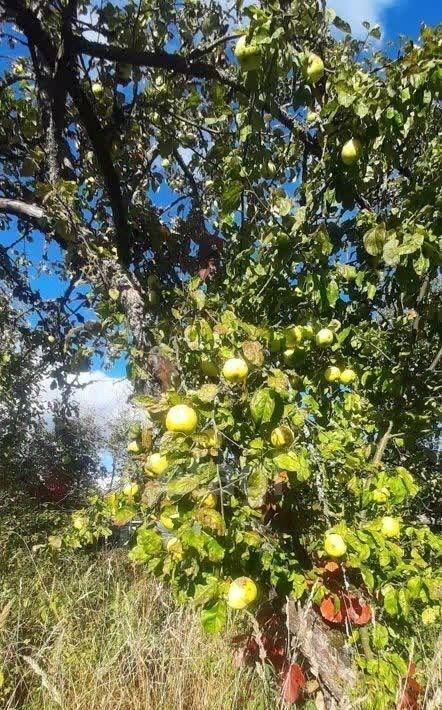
{"x": 178, "y": 64}
{"x": 29, "y": 23}
{"x": 156, "y": 60}
{"x": 21, "y": 209}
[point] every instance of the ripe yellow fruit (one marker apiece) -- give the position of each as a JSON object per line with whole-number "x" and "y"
{"x": 181, "y": 418}
{"x": 294, "y": 335}
{"x": 390, "y": 527}
{"x": 351, "y": 151}
{"x": 235, "y": 369}
{"x": 156, "y": 464}
{"x": 281, "y": 436}
{"x": 334, "y": 545}
{"x": 248, "y": 55}
{"x": 209, "y": 500}
{"x": 332, "y": 373}
{"x": 314, "y": 69}
{"x": 324, "y": 337}
{"x": 347, "y": 376}
{"x": 242, "y": 592}
{"x": 97, "y": 88}
{"x": 133, "y": 447}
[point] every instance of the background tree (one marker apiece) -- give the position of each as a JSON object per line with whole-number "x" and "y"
{"x": 297, "y": 227}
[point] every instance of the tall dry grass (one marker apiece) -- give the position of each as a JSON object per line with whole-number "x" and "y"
{"x": 98, "y": 635}
{"x": 82, "y": 633}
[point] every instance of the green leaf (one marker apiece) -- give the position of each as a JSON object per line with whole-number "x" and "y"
{"x": 374, "y": 240}
{"x": 299, "y": 585}
{"x": 265, "y": 406}
{"x": 230, "y": 197}
{"x": 411, "y": 243}
{"x": 399, "y": 664}
{"x": 114, "y": 294}
{"x": 199, "y": 297}
{"x": 404, "y": 602}
{"x": 123, "y": 515}
{"x": 215, "y": 551}
{"x": 283, "y": 206}
{"x": 257, "y": 487}
{"x": 391, "y": 601}
{"x": 391, "y": 252}
{"x": 371, "y": 291}
{"x": 375, "y": 32}
{"x": 210, "y": 518}
{"x": 204, "y": 593}
{"x": 148, "y": 545}
{"x": 214, "y": 617}
{"x": 295, "y": 462}
{"x": 379, "y": 636}
{"x": 332, "y": 293}
{"x": 342, "y": 25}
{"x": 206, "y": 393}
{"x": 183, "y": 485}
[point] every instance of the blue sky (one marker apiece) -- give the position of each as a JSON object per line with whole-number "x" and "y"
{"x": 396, "y": 17}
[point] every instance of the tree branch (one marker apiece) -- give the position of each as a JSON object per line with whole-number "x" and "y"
{"x": 178, "y": 64}
{"x": 382, "y": 445}
{"x": 436, "y": 360}
{"x": 29, "y": 23}
{"x": 21, "y": 209}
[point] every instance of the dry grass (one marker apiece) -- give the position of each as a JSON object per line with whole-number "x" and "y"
{"x": 101, "y": 637}
{"x": 97, "y": 634}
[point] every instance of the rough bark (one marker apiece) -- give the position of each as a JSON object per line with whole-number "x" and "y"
{"x": 312, "y": 638}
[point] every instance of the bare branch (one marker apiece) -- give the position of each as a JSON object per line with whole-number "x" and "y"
{"x": 382, "y": 445}
{"x": 18, "y": 208}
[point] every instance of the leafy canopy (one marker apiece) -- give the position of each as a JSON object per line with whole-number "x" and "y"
{"x": 204, "y": 201}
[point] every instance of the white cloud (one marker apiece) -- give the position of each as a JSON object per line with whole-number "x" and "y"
{"x": 356, "y": 11}
{"x": 99, "y": 395}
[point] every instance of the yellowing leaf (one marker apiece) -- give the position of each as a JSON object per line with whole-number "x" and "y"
{"x": 257, "y": 487}
{"x": 253, "y": 352}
